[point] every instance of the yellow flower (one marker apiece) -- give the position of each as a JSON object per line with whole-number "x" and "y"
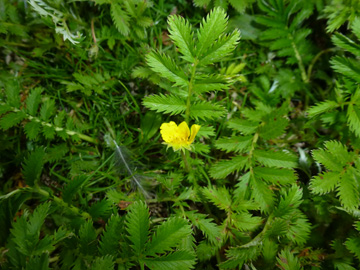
{"x": 178, "y": 137}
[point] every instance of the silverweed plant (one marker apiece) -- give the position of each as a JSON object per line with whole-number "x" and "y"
{"x": 180, "y": 135}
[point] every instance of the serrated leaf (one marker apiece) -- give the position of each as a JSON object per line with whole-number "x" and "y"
{"x": 4, "y": 108}
{"x": 273, "y": 128}
{"x": 276, "y": 176}
{"x": 137, "y": 226}
{"x": 244, "y": 126}
{"x": 206, "y": 225}
{"x": 347, "y": 191}
{"x": 100, "y": 209}
{"x": 220, "y": 48}
{"x": 167, "y": 68}
{"x": 210, "y": 29}
{"x": 327, "y": 159}
{"x": 322, "y": 107}
{"x": 287, "y": 260}
{"x": 353, "y": 118}
{"x": 47, "y": 109}
{"x": 12, "y": 92}
{"x": 205, "y": 84}
{"x": 181, "y": 34}
{"x": 73, "y": 187}
{"x": 33, "y": 166}
{"x": 245, "y": 221}
{"x": 87, "y": 238}
{"x": 206, "y": 110}
{"x": 299, "y": 229}
{"x": 346, "y": 43}
{"x": 275, "y": 159}
{"x": 33, "y": 101}
{"x": 32, "y": 129}
{"x": 11, "y": 119}
{"x": 178, "y": 260}
{"x": 346, "y": 66}
{"x": 237, "y": 144}
{"x": 353, "y": 244}
{"x": 168, "y": 235}
{"x": 289, "y": 200}
{"x": 224, "y": 167}
{"x": 120, "y": 19}
{"x": 110, "y": 239}
{"x": 325, "y": 182}
{"x": 102, "y": 263}
{"x": 262, "y": 194}
{"x": 165, "y": 104}
{"x": 218, "y": 196}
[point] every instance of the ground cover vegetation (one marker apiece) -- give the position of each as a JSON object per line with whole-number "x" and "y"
{"x": 200, "y": 134}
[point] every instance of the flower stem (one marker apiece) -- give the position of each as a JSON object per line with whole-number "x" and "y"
{"x": 186, "y": 163}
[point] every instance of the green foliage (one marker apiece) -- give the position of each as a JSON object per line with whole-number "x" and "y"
{"x": 271, "y": 181}
{"x": 340, "y": 174}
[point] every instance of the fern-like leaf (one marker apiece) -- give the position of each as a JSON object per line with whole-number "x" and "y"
{"x": 165, "y": 104}
{"x": 137, "y": 226}
{"x": 178, "y": 260}
{"x": 33, "y": 166}
{"x": 224, "y": 167}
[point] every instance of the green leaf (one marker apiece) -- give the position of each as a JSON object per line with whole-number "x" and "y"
{"x": 328, "y": 160}
{"x": 4, "y": 108}
{"x": 165, "y": 104}
{"x": 273, "y": 128}
{"x": 168, "y": 235}
{"x": 204, "y": 84}
{"x": 346, "y": 43}
{"x": 245, "y": 221}
{"x": 38, "y": 262}
{"x": 167, "y": 68}
{"x": 47, "y": 109}
{"x": 11, "y": 119}
{"x": 218, "y": 196}
{"x": 353, "y": 115}
{"x": 220, "y": 48}
{"x": 33, "y": 101}
{"x": 206, "y": 110}
{"x": 322, "y": 107}
{"x": 224, "y": 167}
{"x": 100, "y": 209}
{"x": 181, "y": 34}
{"x": 33, "y": 166}
{"x": 347, "y": 191}
{"x": 73, "y": 187}
{"x": 353, "y": 244}
{"x": 275, "y": 175}
{"x": 137, "y": 226}
{"x": 87, "y": 238}
{"x": 262, "y": 194}
{"x": 289, "y": 200}
{"x": 102, "y": 263}
{"x": 110, "y": 239}
{"x": 120, "y": 19}
{"x": 287, "y": 260}
{"x": 237, "y": 144}
{"x": 26, "y": 231}
{"x": 275, "y": 159}
{"x": 32, "y": 129}
{"x": 178, "y": 260}
{"x": 346, "y": 66}
{"x": 324, "y": 183}
{"x": 244, "y": 126}
{"x": 210, "y": 29}
{"x": 12, "y": 92}
{"x": 206, "y": 225}
{"x": 239, "y": 255}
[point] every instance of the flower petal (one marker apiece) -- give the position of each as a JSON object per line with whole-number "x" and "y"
{"x": 194, "y": 130}
{"x": 168, "y": 131}
{"x": 184, "y": 131}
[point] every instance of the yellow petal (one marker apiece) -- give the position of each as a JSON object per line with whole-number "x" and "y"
{"x": 168, "y": 131}
{"x": 194, "y": 130}
{"x": 184, "y": 131}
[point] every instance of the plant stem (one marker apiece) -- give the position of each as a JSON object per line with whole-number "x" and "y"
{"x": 186, "y": 163}
{"x": 300, "y": 62}
{"x": 190, "y": 88}
{"x": 60, "y": 202}
{"x": 310, "y": 68}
